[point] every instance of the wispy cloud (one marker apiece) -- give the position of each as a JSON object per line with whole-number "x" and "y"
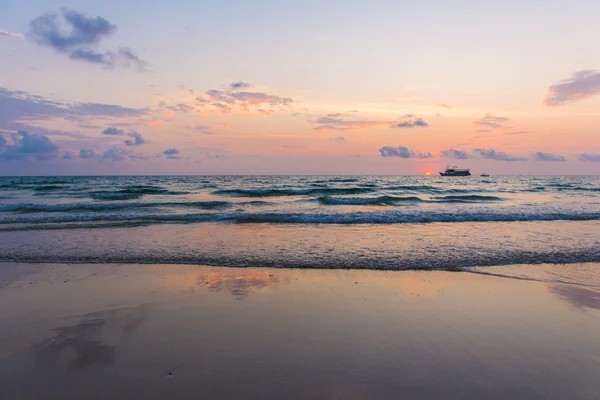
{"x": 348, "y": 122}
{"x": 105, "y": 110}
{"x": 402, "y": 152}
{"x": 226, "y": 100}
{"x": 444, "y": 105}
{"x": 341, "y": 122}
{"x": 589, "y": 157}
{"x": 203, "y": 129}
{"x": 580, "y": 86}
{"x": 492, "y": 121}
{"x": 231, "y": 99}
{"x": 82, "y": 41}
{"x": 411, "y": 123}
{"x": 182, "y": 107}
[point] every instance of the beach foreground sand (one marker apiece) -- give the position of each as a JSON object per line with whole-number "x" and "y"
{"x": 101, "y": 331}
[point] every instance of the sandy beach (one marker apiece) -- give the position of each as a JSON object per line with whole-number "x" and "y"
{"x": 99, "y": 331}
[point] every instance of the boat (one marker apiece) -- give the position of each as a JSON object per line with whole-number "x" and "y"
{"x": 454, "y": 171}
{"x": 484, "y": 175}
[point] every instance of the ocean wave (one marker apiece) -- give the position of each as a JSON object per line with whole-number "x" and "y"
{"x": 343, "y": 180}
{"x": 388, "y": 217}
{"x": 99, "y": 207}
{"x": 115, "y": 195}
{"x": 48, "y": 188}
{"x": 471, "y": 198}
{"x": 132, "y": 193}
{"x": 381, "y": 200}
{"x": 581, "y": 189}
{"x": 427, "y": 189}
{"x": 415, "y": 188}
{"x": 291, "y": 192}
{"x": 394, "y": 200}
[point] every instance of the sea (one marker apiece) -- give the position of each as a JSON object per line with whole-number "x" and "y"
{"x": 374, "y": 222}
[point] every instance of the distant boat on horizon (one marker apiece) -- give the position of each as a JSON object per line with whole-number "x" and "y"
{"x": 484, "y": 174}
{"x": 454, "y": 171}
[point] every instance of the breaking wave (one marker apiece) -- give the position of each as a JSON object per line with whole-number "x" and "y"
{"x": 291, "y": 192}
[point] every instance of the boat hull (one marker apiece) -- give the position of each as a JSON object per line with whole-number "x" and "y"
{"x": 458, "y": 173}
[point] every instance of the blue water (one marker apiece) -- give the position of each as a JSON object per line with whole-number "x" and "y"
{"x": 371, "y": 222}
{"x": 67, "y": 202}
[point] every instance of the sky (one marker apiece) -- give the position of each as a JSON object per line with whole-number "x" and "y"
{"x": 299, "y": 87}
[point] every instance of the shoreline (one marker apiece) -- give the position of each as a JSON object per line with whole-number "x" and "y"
{"x": 471, "y": 269}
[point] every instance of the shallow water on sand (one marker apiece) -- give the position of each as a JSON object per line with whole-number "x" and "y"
{"x": 177, "y": 331}
{"x": 375, "y": 246}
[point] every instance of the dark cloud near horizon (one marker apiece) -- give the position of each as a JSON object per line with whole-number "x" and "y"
{"x": 411, "y": 123}
{"x": 83, "y": 153}
{"x": 580, "y": 86}
{"x": 491, "y": 154}
{"x": 172, "y": 154}
{"x": 29, "y": 145}
{"x": 540, "y": 156}
{"x": 82, "y": 41}
{"x": 456, "y": 154}
{"x": 589, "y": 157}
{"x": 402, "y": 152}
{"x": 114, "y": 154}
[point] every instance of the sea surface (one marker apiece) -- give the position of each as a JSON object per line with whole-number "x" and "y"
{"x": 379, "y": 222}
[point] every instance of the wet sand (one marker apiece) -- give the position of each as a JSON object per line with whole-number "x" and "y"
{"x": 109, "y": 331}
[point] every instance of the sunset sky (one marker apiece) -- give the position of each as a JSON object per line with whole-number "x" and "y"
{"x": 299, "y": 87}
